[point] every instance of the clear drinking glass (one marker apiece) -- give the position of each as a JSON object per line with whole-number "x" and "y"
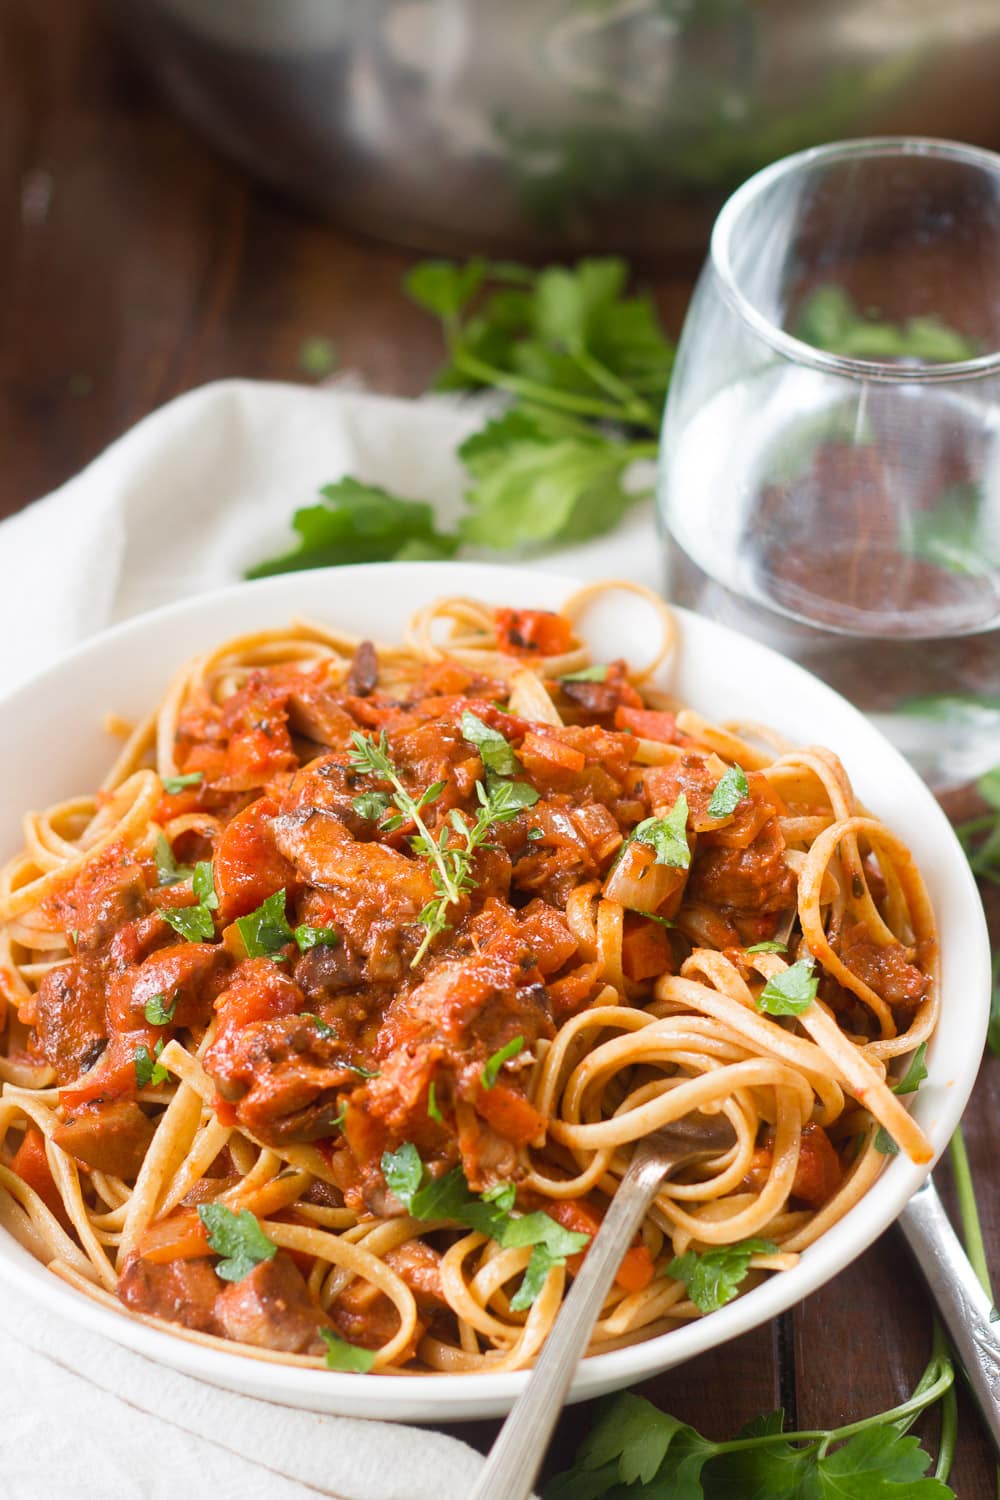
{"x": 830, "y": 467}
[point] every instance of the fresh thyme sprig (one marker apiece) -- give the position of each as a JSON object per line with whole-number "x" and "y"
{"x": 450, "y": 863}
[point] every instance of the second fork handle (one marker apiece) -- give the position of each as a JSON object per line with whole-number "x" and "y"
{"x": 516, "y": 1456}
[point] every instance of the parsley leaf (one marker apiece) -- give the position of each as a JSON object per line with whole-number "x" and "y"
{"x": 790, "y": 992}
{"x": 729, "y": 793}
{"x": 494, "y": 750}
{"x": 357, "y": 1068}
{"x": 491, "y": 1071}
{"x": 713, "y": 1278}
{"x": 266, "y": 930}
{"x": 667, "y": 837}
{"x": 194, "y": 923}
{"x": 596, "y": 673}
{"x": 358, "y": 523}
{"x": 168, "y": 871}
{"x": 885, "y": 1143}
{"x": 433, "y": 1109}
{"x": 238, "y": 1238}
{"x": 448, "y": 1197}
{"x": 315, "y": 937}
{"x": 157, "y": 1013}
{"x": 203, "y": 885}
{"x": 915, "y": 1073}
{"x": 348, "y": 1358}
{"x": 174, "y": 784}
{"x": 769, "y": 947}
{"x": 147, "y": 1071}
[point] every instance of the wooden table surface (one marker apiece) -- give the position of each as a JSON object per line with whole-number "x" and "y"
{"x": 135, "y": 264}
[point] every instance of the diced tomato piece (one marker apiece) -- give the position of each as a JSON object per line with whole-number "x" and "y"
{"x": 576, "y": 1214}
{"x": 646, "y": 950}
{"x": 32, "y": 1166}
{"x": 248, "y": 867}
{"x": 510, "y": 1114}
{"x": 533, "y": 632}
{"x": 648, "y": 724}
{"x": 818, "y": 1174}
{"x": 551, "y": 753}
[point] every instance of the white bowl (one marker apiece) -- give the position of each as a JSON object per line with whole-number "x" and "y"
{"x": 53, "y": 746}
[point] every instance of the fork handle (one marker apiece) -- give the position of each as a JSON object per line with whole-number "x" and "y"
{"x": 965, "y": 1308}
{"x": 517, "y": 1454}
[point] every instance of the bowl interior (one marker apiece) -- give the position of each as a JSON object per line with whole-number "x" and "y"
{"x": 720, "y": 673}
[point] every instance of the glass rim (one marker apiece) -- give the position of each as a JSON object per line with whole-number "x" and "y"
{"x": 797, "y": 350}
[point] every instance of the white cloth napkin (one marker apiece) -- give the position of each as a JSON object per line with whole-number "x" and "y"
{"x": 184, "y": 502}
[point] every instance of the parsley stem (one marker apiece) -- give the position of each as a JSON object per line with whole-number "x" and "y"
{"x": 949, "y": 1411}
{"x": 545, "y": 395}
{"x": 639, "y": 411}
{"x": 972, "y": 1232}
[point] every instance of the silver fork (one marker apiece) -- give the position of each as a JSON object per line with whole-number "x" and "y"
{"x": 517, "y": 1454}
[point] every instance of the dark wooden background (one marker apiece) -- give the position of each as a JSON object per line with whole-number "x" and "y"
{"x": 135, "y": 264}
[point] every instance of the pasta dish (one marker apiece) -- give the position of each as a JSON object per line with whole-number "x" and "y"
{"x": 328, "y": 1022}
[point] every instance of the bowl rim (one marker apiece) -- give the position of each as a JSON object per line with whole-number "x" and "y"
{"x": 468, "y": 1396}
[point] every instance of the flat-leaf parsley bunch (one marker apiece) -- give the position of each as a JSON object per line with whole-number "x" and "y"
{"x": 584, "y": 367}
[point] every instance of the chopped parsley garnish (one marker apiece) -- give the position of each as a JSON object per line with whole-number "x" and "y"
{"x": 536, "y": 833}
{"x": 195, "y": 923}
{"x": 433, "y": 1109}
{"x": 266, "y": 931}
{"x": 238, "y": 1238}
{"x": 148, "y": 1071}
{"x": 450, "y": 863}
{"x": 323, "y": 1027}
{"x": 651, "y": 916}
{"x": 494, "y": 750}
{"x": 596, "y": 673}
{"x": 168, "y": 871}
{"x": 359, "y": 1070}
{"x": 885, "y": 1143}
{"x": 315, "y": 937}
{"x": 448, "y": 1197}
{"x": 771, "y": 946}
{"x": 337, "y": 1123}
{"x": 729, "y": 793}
{"x": 667, "y": 837}
{"x": 348, "y": 1358}
{"x": 915, "y": 1073}
{"x": 790, "y": 992}
{"x": 174, "y": 784}
{"x": 491, "y": 1071}
{"x": 157, "y": 1012}
{"x": 714, "y": 1277}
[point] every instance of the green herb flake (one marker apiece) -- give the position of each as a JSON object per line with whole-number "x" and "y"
{"x": 148, "y": 1071}
{"x": 729, "y": 792}
{"x": 667, "y": 837}
{"x": 503, "y": 1194}
{"x": 885, "y": 1143}
{"x": 771, "y": 946}
{"x": 323, "y": 1027}
{"x": 790, "y": 992}
{"x": 714, "y": 1277}
{"x": 362, "y": 1072}
{"x": 915, "y": 1073}
{"x": 348, "y": 1358}
{"x": 315, "y": 937}
{"x": 535, "y": 833}
{"x": 433, "y": 1110}
{"x": 371, "y": 805}
{"x": 238, "y": 1238}
{"x": 596, "y": 673}
{"x": 168, "y": 871}
{"x": 495, "y": 751}
{"x": 157, "y": 1012}
{"x": 266, "y": 931}
{"x": 491, "y": 1071}
{"x": 204, "y": 886}
{"x": 174, "y": 784}
{"x": 195, "y": 923}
